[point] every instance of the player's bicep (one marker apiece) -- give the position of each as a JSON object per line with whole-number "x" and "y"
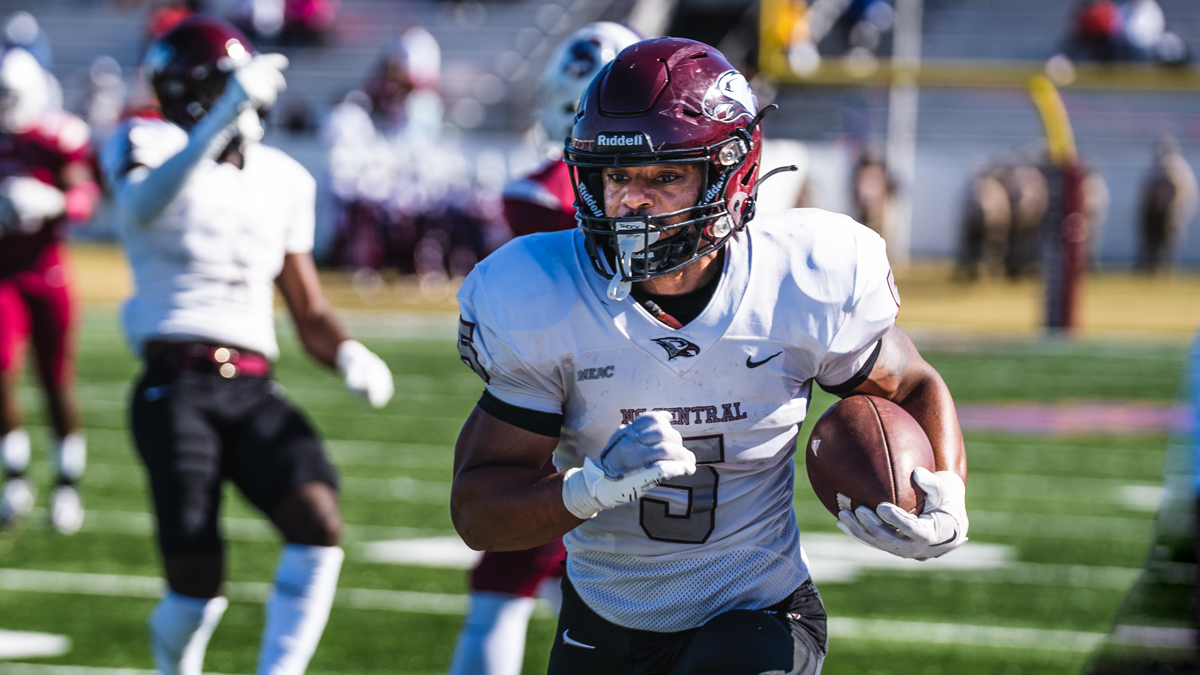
{"x": 487, "y": 440}
{"x": 896, "y": 370}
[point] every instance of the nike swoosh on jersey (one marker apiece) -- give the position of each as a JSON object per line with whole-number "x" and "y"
{"x": 755, "y": 364}
{"x": 574, "y": 643}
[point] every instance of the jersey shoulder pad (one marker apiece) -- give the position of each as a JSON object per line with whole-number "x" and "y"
{"x": 820, "y": 251}
{"x": 528, "y": 282}
{"x": 288, "y": 167}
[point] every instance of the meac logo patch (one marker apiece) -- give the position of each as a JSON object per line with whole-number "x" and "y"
{"x": 729, "y": 98}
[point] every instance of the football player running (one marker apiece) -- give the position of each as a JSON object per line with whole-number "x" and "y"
{"x": 46, "y": 179}
{"x": 505, "y": 583}
{"x": 213, "y": 223}
{"x": 665, "y": 354}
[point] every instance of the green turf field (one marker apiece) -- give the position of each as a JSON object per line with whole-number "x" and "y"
{"x": 1055, "y": 542}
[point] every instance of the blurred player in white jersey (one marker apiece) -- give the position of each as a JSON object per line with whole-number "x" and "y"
{"x": 214, "y": 222}
{"x": 504, "y": 585}
{"x": 46, "y": 180}
{"x": 665, "y": 352}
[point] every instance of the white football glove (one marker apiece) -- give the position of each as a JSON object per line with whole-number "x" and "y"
{"x": 365, "y": 373}
{"x": 941, "y": 527}
{"x": 26, "y": 203}
{"x": 638, "y": 456}
{"x": 259, "y": 82}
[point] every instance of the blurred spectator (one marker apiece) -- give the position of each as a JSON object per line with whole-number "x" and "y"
{"x": 22, "y": 30}
{"x": 163, "y": 16}
{"x": 403, "y": 89}
{"x": 1029, "y": 199}
{"x": 1145, "y": 26}
{"x": 987, "y": 220}
{"x": 867, "y": 22}
{"x": 873, "y": 189}
{"x": 103, "y": 101}
{"x": 1002, "y": 220}
{"x": 404, "y": 197}
{"x": 1098, "y": 31}
{"x": 288, "y": 22}
{"x": 1129, "y": 30}
{"x": 1169, "y": 200}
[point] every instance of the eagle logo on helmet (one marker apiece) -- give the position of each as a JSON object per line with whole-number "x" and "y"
{"x": 582, "y": 57}
{"x": 677, "y": 347}
{"x": 729, "y": 98}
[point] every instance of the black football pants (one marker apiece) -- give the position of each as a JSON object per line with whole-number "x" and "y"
{"x": 194, "y": 430}
{"x": 788, "y": 638}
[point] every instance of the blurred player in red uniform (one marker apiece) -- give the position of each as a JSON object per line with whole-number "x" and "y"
{"x": 46, "y": 179}
{"x": 504, "y": 585}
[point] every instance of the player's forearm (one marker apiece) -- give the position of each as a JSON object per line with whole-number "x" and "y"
{"x": 145, "y": 193}
{"x": 930, "y": 403}
{"x": 320, "y": 334}
{"x": 509, "y": 508}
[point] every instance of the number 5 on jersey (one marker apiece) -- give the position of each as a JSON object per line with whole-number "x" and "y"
{"x": 696, "y": 523}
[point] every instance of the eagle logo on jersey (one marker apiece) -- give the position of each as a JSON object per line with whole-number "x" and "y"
{"x": 729, "y": 98}
{"x": 677, "y": 347}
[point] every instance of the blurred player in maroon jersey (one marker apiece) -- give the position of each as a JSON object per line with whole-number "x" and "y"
{"x": 504, "y": 585}
{"x": 46, "y": 179}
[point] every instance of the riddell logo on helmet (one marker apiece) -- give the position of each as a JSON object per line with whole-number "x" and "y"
{"x": 622, "y": 140}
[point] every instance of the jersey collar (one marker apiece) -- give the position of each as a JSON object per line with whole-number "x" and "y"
{"x": 679, "y": 350}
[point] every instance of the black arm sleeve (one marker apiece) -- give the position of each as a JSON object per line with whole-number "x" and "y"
{"x": 859, "y": 377}
{"x": 533, "y": 421}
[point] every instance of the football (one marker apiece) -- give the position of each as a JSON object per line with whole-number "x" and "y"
{"x": 863, "y": 451}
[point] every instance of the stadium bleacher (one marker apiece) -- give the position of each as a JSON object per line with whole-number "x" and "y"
{"x": 959, "y": 129}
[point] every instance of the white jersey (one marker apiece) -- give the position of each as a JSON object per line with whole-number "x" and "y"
{"x": 805, "y": 294}
{"x": 205, "y": 269}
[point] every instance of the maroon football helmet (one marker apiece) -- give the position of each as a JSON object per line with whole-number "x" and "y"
{"x": 189, "y": 65}
{"x": 665, "y": 101}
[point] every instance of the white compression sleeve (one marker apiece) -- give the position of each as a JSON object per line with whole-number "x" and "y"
{"x": 14, "y": 452}
{"x": 305, "y": 582}
{"x": 180, "y": 627}
{"x": 492, "y": 641}
{"x": 70, "y": 457}
{"x": 144, "y": 192}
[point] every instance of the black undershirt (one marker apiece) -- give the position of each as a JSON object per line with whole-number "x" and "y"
{"x": 686, "y": 306}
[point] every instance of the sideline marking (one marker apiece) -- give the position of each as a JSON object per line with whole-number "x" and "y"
{"x": 1099, "y": 418}
{"x": 16, "y": 644}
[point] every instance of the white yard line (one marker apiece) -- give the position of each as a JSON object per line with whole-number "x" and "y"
{"x": 128, "y": 586}
{"x": 44, "y": 669}
{"x": 240, "y": 529}
{"x": 23, "y": 644}
{"x": 962, "y": 634}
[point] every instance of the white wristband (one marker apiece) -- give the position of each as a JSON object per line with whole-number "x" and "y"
{"x": 576, "y": 495}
